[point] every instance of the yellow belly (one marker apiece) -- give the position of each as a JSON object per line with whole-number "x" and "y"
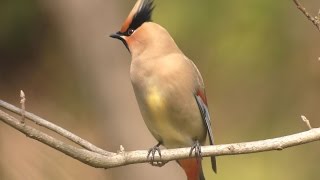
{"x": 161, "y": 119}
{"x": 155, "y": 100}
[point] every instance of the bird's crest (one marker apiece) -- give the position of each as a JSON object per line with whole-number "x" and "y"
{"x": 141, "y": 12}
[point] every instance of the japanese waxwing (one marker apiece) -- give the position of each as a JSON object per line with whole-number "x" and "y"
{"x": 168, "y": 87}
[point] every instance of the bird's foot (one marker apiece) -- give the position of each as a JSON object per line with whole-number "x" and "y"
{"x": 196, "y": 147}
{"x": 151, "y": 153}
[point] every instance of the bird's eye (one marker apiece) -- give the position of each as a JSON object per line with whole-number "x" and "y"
{"x": 130, "y": 31}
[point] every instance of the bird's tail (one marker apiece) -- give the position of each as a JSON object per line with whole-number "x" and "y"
{"x": 192, "y": 168}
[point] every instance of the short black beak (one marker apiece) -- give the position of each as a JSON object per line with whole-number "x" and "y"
{"x": 116, "y": 36}
{"x": 119, "y": 35}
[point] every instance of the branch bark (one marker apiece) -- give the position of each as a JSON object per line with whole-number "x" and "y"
{"x": 315, "y": 20}
{"x": 96, "y": 157}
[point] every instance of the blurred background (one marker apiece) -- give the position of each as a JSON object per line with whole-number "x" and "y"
{"x": 258, "y": 58}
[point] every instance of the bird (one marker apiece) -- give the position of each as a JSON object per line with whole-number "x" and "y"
{"x": 168, "y": 87}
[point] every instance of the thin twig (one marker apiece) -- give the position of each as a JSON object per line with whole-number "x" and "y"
{"x": 315, "y": 20}
{"x": 305, "y": 120}
{"x": 59, "y": 130}
{"x": 23, "y": 106}
{"x": 124, "y": 158}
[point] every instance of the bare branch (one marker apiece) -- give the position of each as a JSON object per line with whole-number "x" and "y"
{"x": 121, "y": 158}
{"x": 77, "y": 153}
{"x": 44, "y": 123}
{"x": 315, "y": 20}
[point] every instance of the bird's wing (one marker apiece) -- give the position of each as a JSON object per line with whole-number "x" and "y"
{"x": 205, "y": 115}
{"x": 201, "y": 99}
{"x": 206, "y": 118}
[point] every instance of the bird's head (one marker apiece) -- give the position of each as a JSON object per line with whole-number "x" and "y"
{"x": 140, "y": 35}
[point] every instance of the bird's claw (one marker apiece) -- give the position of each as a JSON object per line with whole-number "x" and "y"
{"x": 196, "y": 147}
{"x": 152, "y": 151}
{"x": 151, "y": 154}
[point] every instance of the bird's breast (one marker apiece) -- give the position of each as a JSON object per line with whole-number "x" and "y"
{"x": 164, "y": 91}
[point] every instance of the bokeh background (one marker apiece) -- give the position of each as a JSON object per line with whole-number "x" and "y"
{"x": 258, "y": 58}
